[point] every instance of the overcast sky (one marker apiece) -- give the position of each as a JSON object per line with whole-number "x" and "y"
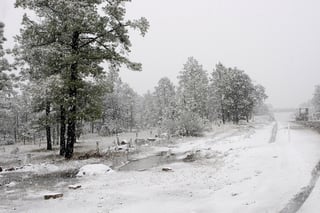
{"x": 277, "y": 42}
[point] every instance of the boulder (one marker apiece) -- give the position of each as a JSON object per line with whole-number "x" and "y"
{"x": 53, "y": 196}
{"x": 124, "y": 142}
{"x": 74, "y": 186}
{"x": 167, "y": 169}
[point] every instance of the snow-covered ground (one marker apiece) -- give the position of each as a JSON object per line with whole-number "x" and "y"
{"x": 235, "y": 171}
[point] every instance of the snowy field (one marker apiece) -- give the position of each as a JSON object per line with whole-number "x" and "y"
{"x": 233, "y": 169}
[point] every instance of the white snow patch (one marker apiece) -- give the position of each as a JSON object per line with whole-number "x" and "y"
{"x": 94, "y": 169}
{"x": 40, "y": 168}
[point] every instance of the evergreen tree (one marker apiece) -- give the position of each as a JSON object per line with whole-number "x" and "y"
{"x": 120, "y": 107}
{"x": 77, "y": 39}
{"x": 193, "y": 88}
{"x": 234, "y": 94}
{"x": 217, "y": 89}
{"x": 148, "y": 111}
{"x": 165, "y": 102}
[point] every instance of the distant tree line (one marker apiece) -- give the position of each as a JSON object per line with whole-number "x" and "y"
{"x": 229, "y": 95}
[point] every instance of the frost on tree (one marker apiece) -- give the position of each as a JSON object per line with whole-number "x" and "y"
{"x": 76, "y": 39}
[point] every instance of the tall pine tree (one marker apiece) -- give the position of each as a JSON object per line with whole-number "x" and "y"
{"x": 78, "y": 36}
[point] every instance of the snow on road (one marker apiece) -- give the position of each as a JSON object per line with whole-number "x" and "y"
{"x": 239, "y": 173}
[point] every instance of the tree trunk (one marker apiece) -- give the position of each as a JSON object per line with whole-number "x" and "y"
{"x": 92, "y": 127}
{"x": 62, "y": 130}
{"x": 58, "y": 132}
{"x": 48, "y": 128}
{"x": 131, "y": 118}
{"x": 71, "y": 135}
{"x": 16, "y": 129}
{"x": 15, "y": 135}
{"x": 72, "y": 115}
{"x": 53, "y": 135}
{"x": 223, "y": 114}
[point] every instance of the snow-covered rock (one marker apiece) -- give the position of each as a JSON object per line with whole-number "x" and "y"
{"x": 94, "y": 169}
{"x": 11, "y": 184}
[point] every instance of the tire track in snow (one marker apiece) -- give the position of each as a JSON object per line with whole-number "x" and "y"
{"x": 298, "y": 200}
{"x": 274, "y": 133}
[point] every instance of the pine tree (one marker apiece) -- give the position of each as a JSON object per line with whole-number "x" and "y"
{"x": 217, "y": 89}
{"x": 76, "y": 39}
{"x": 234, "y": 94}
{"x": 165, "y": 102}
{"x": 193, "y": 88}
{"x": 120, "y": 107}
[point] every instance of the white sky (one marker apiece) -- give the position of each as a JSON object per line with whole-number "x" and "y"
{"x": 277, "y": 42}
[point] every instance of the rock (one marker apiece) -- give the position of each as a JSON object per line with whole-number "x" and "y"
{"x": 167, "y": 169}
{"x": 190, "y": 157}
{"x": 234, "y": 194}
{"x": 74, "y": 186}
{"x": 1, "y": 169}
{"x": 10, "y": 169}
{"x": 53, "y": 196}
{"x": 151, "y": 139}
{"x": 11, "y": 184}
{"x": 124, "y": 142}
{"x": 123, "y": 147}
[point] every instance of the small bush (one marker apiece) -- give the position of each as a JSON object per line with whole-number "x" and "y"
{"x": 170, "y": 126}
{"x": 187, "y": 124}
{"x": 191, "y": 124}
